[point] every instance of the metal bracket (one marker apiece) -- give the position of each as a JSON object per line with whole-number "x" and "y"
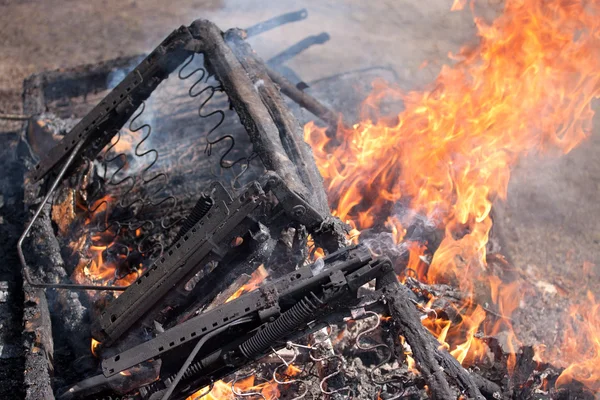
{"x": 294, "y": 205}
{"x": 99, "y": 126}
{"x": 183, "y": 259}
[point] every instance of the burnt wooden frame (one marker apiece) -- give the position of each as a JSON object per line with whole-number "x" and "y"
{"x": 274, "y": 132}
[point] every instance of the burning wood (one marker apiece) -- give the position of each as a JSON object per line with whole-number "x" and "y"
{"x": 526, "y": 87}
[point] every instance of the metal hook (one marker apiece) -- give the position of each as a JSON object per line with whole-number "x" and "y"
{"x": 244, "y": 394}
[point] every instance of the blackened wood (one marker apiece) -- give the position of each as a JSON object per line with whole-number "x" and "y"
{"x": 38, "y": 345}
{"x": 304, "y": 100}
{"x": 330, "y": 235}
{"x": 433, "y": 362}
{"x": 488, "y": 388}
{"x": 290, "y": 132}
{"x": 246, "y": 100}
{"x": 48, "y": 266}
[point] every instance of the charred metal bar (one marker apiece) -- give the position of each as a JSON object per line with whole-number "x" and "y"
{"x": 208, "y": 240}
{"x": 303, "y": 99}
{"x": 250, "y": 326}
{"x": 298, "y": 48}
{"x": 144, "y": 374}
{"x": 15, "y": 117}
{"x": 277, "y": 21}
{"x": 255, "y": 250}
{"x": 98, "y": 127}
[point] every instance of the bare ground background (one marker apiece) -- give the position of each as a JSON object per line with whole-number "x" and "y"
{"x": 549, "y": 223}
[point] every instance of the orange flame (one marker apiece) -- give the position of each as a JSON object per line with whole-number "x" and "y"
{"x": 581, "y": 348}
{"x": 292, "y": 370}
{"x": 125, "y": 140}
{"x": 222, "y": 390}
{"x": 472, "y": 347}
{"x": 93, "y": 267}
{"x": 415, "y": 264}
{"x": 412, "y": 365}
{"x": 525, "y": 88}
{"x": 256, "y": 279}
{"x": 94, "y": 347}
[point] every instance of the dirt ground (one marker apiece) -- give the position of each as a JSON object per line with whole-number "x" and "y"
{"x": 40, "y": 35}
{"x": 549, "y": 223}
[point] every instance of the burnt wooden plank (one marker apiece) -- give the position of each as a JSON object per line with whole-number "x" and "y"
{"x": 436, "y": 365}
{"x": 245, "y": 99}
{"x": 290, "y": 132}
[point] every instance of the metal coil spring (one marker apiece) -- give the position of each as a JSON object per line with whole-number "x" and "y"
{"x": 125, "y": 213}
{"x": 117, "y": 177}
{"x": 148, "y": 390}
{"x": 193, "y": 370}
{"x": 218, "y": 116}
{"x": 203, "y": 205}
{"x": 288, "y": 321}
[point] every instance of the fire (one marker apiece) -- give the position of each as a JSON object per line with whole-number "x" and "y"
{"x": 473, "y": 347}
{"x": 95, "y": 266}
{"x": 225, "y": 391}
{"x": 126, "y": 140}
{"x": 415, "y": 265}
{"x": 292, "y": 370}
{"x": 412, "y": 365}
{"x": 314, "y": 252}
{"x": 525, "y": 88}
{"x": 460, "y": 338}
{"x": 94, "y": 347}
{"x": 581, "y": 348}
{"x": 450, "y": 151}
{"x": 256, "y": 279}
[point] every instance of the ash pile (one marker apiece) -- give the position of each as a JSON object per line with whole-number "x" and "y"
{"x": 179, "y": 227}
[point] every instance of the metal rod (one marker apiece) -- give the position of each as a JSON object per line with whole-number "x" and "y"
{"x": 15, "y": 117}
{"x": 24, "y": 266}
{"x": 193, "y": 354}
{"x": 305, "y": 100}
{"x": 298, "y": 48}
{"x": 275, "y": 22}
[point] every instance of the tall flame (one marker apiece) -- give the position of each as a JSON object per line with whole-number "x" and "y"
{"x": 525, "y": 88}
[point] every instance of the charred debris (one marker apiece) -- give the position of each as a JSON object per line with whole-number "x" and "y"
{"x": 146, "y": 247}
